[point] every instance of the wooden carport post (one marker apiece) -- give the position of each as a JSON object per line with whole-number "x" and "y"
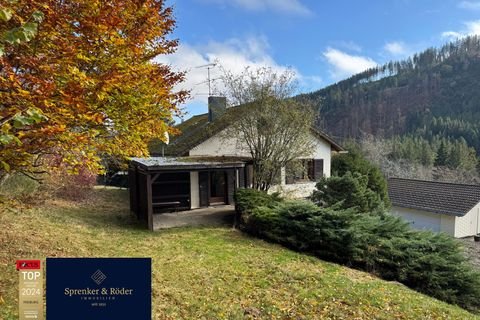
{"x": 149, "y": 202}
{"x": 235, "y": 172}
{"x": 150, "y": 181}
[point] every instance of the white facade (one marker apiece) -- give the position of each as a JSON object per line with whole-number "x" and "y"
{"x": 458, "y": 227}
{"x": 194, "y": 190}
{"x": 296, "y": 190}
{"x": 223, "y": 144}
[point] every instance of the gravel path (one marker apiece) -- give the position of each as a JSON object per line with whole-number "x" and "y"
{"x": 472, "y": 249}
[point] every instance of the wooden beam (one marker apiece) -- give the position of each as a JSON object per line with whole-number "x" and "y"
{"x": 245, "y": 177}
{"x": 149, "y": 203}
{"x": 155, "y": 177}
{"x": 237, "y": 179}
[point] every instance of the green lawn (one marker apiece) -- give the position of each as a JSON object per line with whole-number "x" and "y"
{"x": 204, "y": 273}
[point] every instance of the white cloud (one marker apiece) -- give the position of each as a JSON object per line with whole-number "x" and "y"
{"x": 349, "y": 45}
{"x": 396, "y": 48}
{"x": 233, "y": 55}
{"x": 294, "y": 7}
{"x": 344, "y": 65}
{"x": 469, "y": 5}
{"x": 471, "y": 28}
{"x": 452, "y": 35}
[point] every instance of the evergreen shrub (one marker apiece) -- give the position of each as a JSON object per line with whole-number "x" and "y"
{"x": 350, "y": 190}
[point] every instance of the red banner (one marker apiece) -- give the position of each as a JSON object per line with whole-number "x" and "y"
{"x": 28, "y": 264}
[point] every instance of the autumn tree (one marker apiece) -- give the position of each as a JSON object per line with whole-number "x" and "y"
{"x": 89, "y": 77}
{"x": 275, "y": 128}
{"x": 22, "y": 32}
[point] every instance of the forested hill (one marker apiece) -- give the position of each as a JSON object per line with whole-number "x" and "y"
{"x": 434, "y": 93}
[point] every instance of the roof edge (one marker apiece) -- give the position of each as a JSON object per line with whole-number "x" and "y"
{"x": 435, "y": 181}
{"x": 329, "y": 139}
{"x": 456, "y": 214}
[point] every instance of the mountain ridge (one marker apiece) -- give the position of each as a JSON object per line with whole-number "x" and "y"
{"x": 411, "y": 96}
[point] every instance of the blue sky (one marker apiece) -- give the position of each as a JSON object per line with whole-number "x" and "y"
{"x": 323, "y": 41}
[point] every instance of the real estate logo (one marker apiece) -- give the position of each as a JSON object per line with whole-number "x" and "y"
{"x": 98, "y": 277}
{"x": 124, "y": 294}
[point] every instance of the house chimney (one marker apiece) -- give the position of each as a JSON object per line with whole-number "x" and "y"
{"x": 216, "y": 107}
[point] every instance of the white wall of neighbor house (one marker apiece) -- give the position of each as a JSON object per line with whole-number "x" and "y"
{"x": 424, "y": 220}
{"x": 194, "y": 190}
{"x": 468, "y": 225}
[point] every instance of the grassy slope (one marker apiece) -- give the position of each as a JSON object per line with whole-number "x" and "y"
{"x": 211, "y": 273}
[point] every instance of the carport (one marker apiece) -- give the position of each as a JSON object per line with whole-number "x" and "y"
{"x": 162, "y": 184}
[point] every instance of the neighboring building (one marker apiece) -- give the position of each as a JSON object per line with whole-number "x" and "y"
{"x": 437, "y": 206}
{"x": 204, "y": 164}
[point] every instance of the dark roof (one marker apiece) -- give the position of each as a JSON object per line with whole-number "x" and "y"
{"x": 198, "y": 129}
{"x": 187, "y": 163}
{"x": 433, "y": 196}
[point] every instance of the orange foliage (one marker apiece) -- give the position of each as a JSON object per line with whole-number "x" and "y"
{"x": 90, "y": 71}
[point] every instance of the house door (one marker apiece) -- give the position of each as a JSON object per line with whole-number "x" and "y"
{"x": 204, "y": 185}
{"x": 218, "y": 187}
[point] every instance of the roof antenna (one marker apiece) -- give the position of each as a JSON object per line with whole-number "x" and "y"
{"x": 209, "y": 81}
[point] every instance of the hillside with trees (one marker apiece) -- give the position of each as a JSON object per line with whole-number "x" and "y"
{"x": 432, "y": 95}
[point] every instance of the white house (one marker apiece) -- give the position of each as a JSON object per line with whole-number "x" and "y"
{"x": 203, "y": 165}
{"x": 437, "y": 206}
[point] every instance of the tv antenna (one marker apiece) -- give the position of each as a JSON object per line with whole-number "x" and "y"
{"x": 209, "y": 81}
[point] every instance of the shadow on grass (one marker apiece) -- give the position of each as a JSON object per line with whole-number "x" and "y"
{"x": 205, "y": 217}
{"x": 108, "y": 208}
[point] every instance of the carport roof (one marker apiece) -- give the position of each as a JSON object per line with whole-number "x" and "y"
{"x": 438, "y": 197}
{"x": 188, "y": 163}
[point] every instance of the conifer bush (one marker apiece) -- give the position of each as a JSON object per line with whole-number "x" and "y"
{"x": 354, "y": 161}
{"x": 246, "y": 200}
{"x": 350, "y": 190}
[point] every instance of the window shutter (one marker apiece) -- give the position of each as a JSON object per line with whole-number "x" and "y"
{"x": 310, "y": 166}
{"x": 318, "y": 168}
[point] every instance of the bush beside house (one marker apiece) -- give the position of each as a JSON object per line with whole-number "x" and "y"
{"x": 355, "y": 162}
{"x": 351, "y": 190}
{"x": 379, "y": 243}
